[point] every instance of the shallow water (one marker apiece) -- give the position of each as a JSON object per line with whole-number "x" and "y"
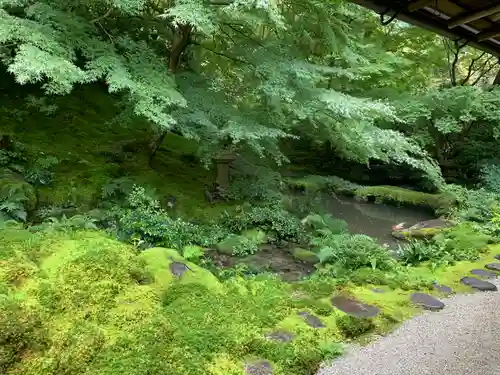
{"x": 374, "y": 219}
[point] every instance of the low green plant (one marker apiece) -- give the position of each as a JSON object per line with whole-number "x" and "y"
{"x": 472, "y": 205}
{"x": 350, "y": 251}
{"x": 192, "y": 253}
{"x": 462, "y": 242}
{"x": 66, "y": 224}
{"x": 325, "y": 222}
{"x": 352, "y": 327}
{"x": 272, "y": 219}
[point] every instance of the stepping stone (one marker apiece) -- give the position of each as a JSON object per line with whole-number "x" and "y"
{"x": 280, "y": 336}
{"x": 259, "y": 367}
{"x": 378, "y": 290}
{"x": 355, "y": 308}
{"x": 427, "y": 301}
{"x": 178, "y": 269}
{"x": 497, "y": 256}
{"x": 443, "y": 289}
{"x": 478, "y": 284}
{"x": 311, "y": 320}
{"x": 493, "y": 266}
{"x": 484, "y": 274}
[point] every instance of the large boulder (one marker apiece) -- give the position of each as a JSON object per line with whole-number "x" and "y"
{"x": 421, "y": 230}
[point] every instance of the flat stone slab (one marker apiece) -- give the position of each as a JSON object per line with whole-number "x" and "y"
{"x": 427, "y": 301}
{"x": 311, "y": 320}
{"x": 280, "y": 336}
{"x": 493, "y": 266}
{"x": 259, "y": 367}
{"x": 355, "y": 308}
{"x": 443, "y": 289}
{"x": 497, "y": 256}
{"x": 484, "y": 274}
{"x": 478, "y": 284}
{"x": 378, "y": 290}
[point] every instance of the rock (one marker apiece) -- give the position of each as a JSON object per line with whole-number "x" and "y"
{"x": 484, "y": 274}
{"x": 493, "y": 266}
{"x": 305, "y": 255}
{"x": 423, "y": 229}
{"x": 178, "y": 268}
{"x": 443, "y": 289}
{"x": 378, "y": 290}
{"x": 478, "y": 284}
{"x": 280, "y": 336}
{"x": 427, "y": 301}
{"x": 259, "y": 367}
{"x": 497, "y": 256}
{"x": 355, "y": 308}
{"x": 167, "y": 266}
{"x": 311, "y": 320}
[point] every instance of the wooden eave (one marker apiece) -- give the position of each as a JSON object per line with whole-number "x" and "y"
{"x": 475, "y": 22}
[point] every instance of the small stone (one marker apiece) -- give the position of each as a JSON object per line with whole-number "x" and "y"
{"x": 484, "y": 274}
{"x": 178, "y": 269}
{"x": 355, "y": 308}
{"x": 427, "y": 301}
{"x": 478, "y": 284}
{"x": 260, "y": 367}
{"x": 311, "y": 320}
{"x": 378, "y": 290}
{"x": 443, "y": 289}
{"x": 280, "y": 336}
{"x": 497, "y": 256}
{"x": 493, "y": 266}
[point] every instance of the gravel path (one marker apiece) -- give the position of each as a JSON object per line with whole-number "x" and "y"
{"x": 462, "y": 339}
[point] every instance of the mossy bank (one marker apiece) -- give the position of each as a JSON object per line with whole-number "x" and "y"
{"x": 82, "y": 303}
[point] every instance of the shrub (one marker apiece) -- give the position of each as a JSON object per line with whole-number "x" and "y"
{"x": 472, "y": 205}
{"x": 462, "y": 242}
{"x": 272, "y": 219}
{"x": 351, "y": 251}
{"x": 352, "y": 327}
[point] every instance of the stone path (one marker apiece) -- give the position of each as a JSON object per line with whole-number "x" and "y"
{"x": 462, "y": 339}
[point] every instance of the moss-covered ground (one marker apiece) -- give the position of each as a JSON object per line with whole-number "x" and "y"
{"x": 83, "y": 303}
{"x": 94, "y": 147}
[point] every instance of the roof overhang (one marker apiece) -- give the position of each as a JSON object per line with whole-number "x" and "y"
{"x": 476, "y": 22}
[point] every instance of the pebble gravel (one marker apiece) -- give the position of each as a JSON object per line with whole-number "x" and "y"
{"x": 461, "y": 339}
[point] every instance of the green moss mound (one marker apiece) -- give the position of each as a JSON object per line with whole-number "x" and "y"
{"x": 401, "y": 196}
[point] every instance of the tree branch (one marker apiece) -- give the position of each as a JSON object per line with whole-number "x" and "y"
{"x": 100, "y": 18}
{"x": 469, "y": 70}
{"x": 222, "y": 54}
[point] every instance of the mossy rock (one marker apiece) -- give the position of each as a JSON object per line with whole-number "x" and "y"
{"x": 423, "y": 233}
{"x": 305, "y": 255}
{"x": 228, "y": 245}
{"x": 13, "y": 184}
{"x": 423, "y": 230}
{"x": 330, "y": 184}
{"x": 255, "y": 235}
{"x": 158, "y": 261}
{"x": 401, "y": 196}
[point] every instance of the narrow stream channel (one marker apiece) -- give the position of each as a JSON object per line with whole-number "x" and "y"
{"x": 373, "y": 219}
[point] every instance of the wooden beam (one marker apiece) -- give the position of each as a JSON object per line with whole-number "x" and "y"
{"x": 419, "y": 4}
{"x": 466, "y": 18}
{"x": 488, "y": 34}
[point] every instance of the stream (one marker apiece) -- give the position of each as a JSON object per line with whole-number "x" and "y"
{"x": 374, "y": 219}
